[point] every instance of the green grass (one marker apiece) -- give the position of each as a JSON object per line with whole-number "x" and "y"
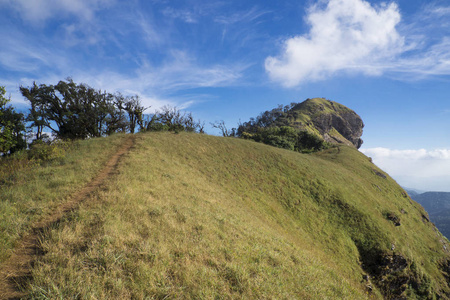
{"x": 30, "y": 188}
{"x": 304, "y": 113}
{"x": 204, "y": 217}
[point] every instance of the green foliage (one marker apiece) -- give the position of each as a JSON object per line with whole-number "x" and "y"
{"x": 12, "y": 127}
{"x": 223, "y": 129}
{"x": 288, "y": 138}
{"x": 133, "y": 107}
{"x": 42, "y": 151}
{"x": 6, "y": 138}
{"x": 277, "y": 117}
{"x": 315, "y": 119}
{"x": 297, "y": 115}
{"x": 275, "y": 128}
{"x": 308, "y": 142}
{"x": 282, "y": 137}
{"x": 172, "y": 119}
{"x": 3, "y": 100}
{"x": 157, "y": 126}
{"x": 77, "y": 111}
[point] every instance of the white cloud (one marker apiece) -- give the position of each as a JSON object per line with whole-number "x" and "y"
{"x": 156, "y": 85}
{"x": 80, "y": 26}
{"x": 182, "y": 71}
{"x": 347, "y": 35}
{"x": 437, "y": 11}
{"x": 242, "y": 16}
{"x": 25, "y": 54}
{"x": 421, "y": 169}
{"x": 356, "y": 37}
{"x": 184, "y": 15}
{"x": 37, "y": 11}
{"x": 149, "y": 32}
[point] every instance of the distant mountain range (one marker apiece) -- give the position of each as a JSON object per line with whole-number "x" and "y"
{"x": 437, "y": 204}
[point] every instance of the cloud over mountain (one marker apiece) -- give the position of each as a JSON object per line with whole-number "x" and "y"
{"x": 421, "y": 169}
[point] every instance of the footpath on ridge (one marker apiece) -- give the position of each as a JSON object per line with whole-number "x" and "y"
{"x": 17, "y": 269}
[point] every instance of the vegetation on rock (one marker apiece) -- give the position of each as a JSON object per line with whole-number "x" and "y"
{"x": 316, "y": 122}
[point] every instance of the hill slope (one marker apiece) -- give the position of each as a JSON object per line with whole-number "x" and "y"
{"x": 437, "y": 204}
{"x": 196, "y": 216}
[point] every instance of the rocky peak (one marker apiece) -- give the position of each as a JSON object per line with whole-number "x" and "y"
{"x": 333, "y": 122}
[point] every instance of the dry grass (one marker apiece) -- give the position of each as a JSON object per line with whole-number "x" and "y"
{"x": 203, "y": 217}
{"x": 30, "y": 188}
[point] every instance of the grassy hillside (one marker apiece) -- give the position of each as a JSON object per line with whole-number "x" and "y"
{"x": 31, "y": 188}
{"x": 196, "y": 216}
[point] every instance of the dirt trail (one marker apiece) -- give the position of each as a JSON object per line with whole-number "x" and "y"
{"x": 17, "y": 269}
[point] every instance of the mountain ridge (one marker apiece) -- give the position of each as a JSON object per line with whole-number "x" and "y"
{"x": 189, "y": 216}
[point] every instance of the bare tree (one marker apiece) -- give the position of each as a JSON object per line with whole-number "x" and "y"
{"x": 223, "y": 128}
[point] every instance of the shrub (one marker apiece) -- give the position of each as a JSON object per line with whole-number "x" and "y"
{"x": 40, "y": 150}
{"x": 287, "y": 138}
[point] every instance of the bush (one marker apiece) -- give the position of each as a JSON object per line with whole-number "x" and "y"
{"x": 40, "y": 150}
{"x": 172, "y": 119}
{"x": 281, "y": 137}
{"x": 287, "y": 138}
{"x": 157, "y": 127}
{"x": 308, "y": 142}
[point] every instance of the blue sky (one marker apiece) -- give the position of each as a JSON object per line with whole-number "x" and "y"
{"x": 231, "y": 60}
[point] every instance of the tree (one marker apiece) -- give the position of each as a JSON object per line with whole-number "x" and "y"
{"x": 82, "y": 110}
{"x": 132, "y": 105}
{"x": 36, "y": 117}
{"x": 12, "y": 127}
{"x": 77, "y": 111}
{"x": 223, "y": 128}
{"x": 172, "y": 119}
{"x": 117, "y": 120}
{"x": 73, "y": 111}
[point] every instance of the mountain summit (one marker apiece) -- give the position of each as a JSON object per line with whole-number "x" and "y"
{"x": 306, "y": 126}
{"x": 333, "y": 122}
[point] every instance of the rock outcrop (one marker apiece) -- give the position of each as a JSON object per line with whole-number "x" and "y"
{"x": 333, "y": 122}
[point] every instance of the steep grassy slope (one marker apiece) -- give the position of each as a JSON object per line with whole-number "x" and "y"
{"x": 195, "y": 216}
